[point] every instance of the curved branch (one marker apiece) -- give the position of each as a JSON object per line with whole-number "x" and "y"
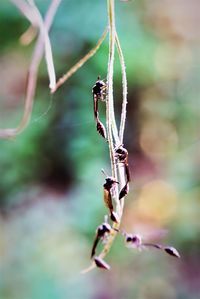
{"x": 125, "y": 91}
{"x": 112, "y": 132}
{"x": 32, "y": 75}
{"x": 80, "y": 63}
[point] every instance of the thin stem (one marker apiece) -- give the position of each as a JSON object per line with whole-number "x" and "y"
{"x": 47, "y": 45}
{"x": 123, "y": 112}
{"x": 80, "y": 63}
{"x": 109, "y": 102}
{"x": 32, "y": 76}
{"x": 25, "y": 9}
{"x": 112, "y": 121}
{"x": 27, "y": 37}
{"x": 112, "y": 132}
{"x": 125, "y": 91}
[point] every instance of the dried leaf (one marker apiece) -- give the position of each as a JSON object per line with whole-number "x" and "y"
{"x": 32, "y": 73}
{"x": 172, "y": 251}
{"x": 100, "y": 263}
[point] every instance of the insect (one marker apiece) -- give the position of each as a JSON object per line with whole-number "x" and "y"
{"x": 121, "y": 154}
{"x": 135, "y": 241}
{"x": 100, "y": 128}
{"x": 131, "y": 240}
{"x": 109, "y": 187}
{"x": 99, "y": 93}
{"x": 101, "y": 232}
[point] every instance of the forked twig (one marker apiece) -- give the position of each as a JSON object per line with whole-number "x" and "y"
{"x": 112, "y": 129}
{"x": 32, "y": 75}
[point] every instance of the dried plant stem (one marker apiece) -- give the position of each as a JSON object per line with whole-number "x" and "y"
{"x": 25, "y": 9}
{"x": 27, "y": 37}
{"x": 125, "y": 91}
{"x": 32, "y": 75}
{"x": 123, "y": 113}
{"x": 117, "y": 173}
{"x": 47, "y": 45}
{"x": 80, "y": 63}
{"x": 110, "y": 120}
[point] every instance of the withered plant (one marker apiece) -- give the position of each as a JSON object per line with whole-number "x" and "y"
{"x": 116, "y": 185}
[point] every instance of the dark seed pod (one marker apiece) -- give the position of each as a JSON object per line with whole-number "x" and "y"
{"x": 100, "y": 263}
{"x": 172, "y": 251}
{"x": 101, "y": 129}
{"x": 124, "y": 191}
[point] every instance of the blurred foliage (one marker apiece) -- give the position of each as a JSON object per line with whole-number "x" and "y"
{"x": 50, "y": 187}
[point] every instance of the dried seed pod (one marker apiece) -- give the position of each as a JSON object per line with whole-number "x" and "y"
{"x": 172, "y": 251}
{"x": 124, "y": 191}
{"x": 101, "y": 232}
{"x": 100, "y": 263}
{"x": 101, "y": 129}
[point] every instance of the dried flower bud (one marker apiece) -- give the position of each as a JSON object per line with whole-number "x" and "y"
{"x": 172, "y": 251}
{"x": 100, "y": 263}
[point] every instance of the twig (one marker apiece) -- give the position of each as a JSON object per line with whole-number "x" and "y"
{"x": 124, "y": 84}
{"x": 32, "y": 76}
{"x": 111, "y": 127}
{"x": 47, "y": 45}
{"x": 80, "y": 63}
{"x": 27, "y": 37}
{"x": 109, "y": 102}
{"x": 26, "y": 10}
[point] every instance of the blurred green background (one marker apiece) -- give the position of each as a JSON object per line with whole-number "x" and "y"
{"x": 51, "y": 181}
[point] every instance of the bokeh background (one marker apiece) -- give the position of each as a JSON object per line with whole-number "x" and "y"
{"x": 50, "y": 175}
